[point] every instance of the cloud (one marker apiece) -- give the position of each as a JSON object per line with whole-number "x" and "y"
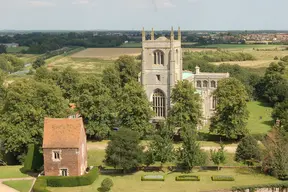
{"x": 163, "y": 3}
{"x": 80, "y": 2}
{"x": 41, "y": 4}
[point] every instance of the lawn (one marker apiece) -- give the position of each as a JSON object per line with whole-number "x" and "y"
{"x": 260, "y": 120}
{"x": 11, "y": 172}
{"x": 21, "y": 185}
{"x": 133, "y": 182}
{"x": 16, "y": 49}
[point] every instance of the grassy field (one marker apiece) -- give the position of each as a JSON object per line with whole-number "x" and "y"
{"x": 11, "y": 172}
{"x": 260, "y": 120}
{"x": 16, "y": 49}
{"x": 21, "y": 185}
{"x": 82, "y": 65}
{"x": 133, "y": 182}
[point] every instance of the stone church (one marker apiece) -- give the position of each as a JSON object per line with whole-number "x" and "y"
{"x": 162, "y": 68}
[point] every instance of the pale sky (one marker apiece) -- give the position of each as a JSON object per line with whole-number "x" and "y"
{"x": 133, "y": 14}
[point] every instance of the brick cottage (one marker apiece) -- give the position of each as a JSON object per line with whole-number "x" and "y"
{"x": 64, "y": 147}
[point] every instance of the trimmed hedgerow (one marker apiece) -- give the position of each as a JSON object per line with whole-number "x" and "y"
{"x": 73, "y": 181}
{"x": 34, "y": 159}
{"x": 153, "y": 178}
{"x": 187, "y": 178}
{"x": 222, "y": 178}
{"x": 40, "y": 185}
{"x": 252, "y": 188}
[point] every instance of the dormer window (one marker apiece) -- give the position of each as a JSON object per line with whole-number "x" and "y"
{"x": 158, "y": 57}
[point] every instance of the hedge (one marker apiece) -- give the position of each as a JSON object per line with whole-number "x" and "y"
{"x": 61, "y": 181}
{"x": 222, "y": 178}
{"x": 283, "y": 185}
{"x": 73, "y": 181}
{"x": 153, "y": 178}
{"x": 187, "y": 178}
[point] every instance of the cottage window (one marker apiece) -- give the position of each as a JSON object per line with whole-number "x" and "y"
{"x": 56, "y": 155}
{"x": 64, "y": 172}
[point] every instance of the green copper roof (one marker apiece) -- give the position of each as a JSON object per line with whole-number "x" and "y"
{"x": 186, "y": 74}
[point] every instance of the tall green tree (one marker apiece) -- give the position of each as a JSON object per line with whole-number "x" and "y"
{"x": 96, "y": 107}
{"x": 161, "y": 148}
{"x": 218, "y": 156}
{"x": 124, "y": 150}
{"x": 25, "y": 105}
{"x": 186, "y": 106}
{"x": 39, "y": 62}
{"x": 231, "y": 109}
{"x": 280, "y": 112}
{"x": 248, "y": 150}
{"x": 190, "y": 154}
{"x": 134, "y": 109}
{"x": 111, "y": 79}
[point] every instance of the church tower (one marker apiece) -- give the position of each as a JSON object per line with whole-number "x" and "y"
{"x": 161, "y": 69}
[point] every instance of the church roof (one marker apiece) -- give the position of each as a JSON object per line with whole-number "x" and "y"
{"x": 62, "y": 133}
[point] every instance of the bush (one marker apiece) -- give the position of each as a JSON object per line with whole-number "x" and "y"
{"x": 40, "y": 185}
{"x": 222, "y": 178}
{"x": 251, "y": 188}
{"x": 73, "y": 181}
{"x": 276, "y": 58}
{"x": 187, "y": 178}
{"x": 248, "y": 150}
{"x": 153, "y": 178}
{"x": 34, "y": 159}
{"x": 106, "y": 184}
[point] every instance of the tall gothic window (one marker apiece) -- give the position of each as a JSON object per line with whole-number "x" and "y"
{"x": 213, "y": 84}
{"x": 205, "y": 83}
{"x": 159, "y": 103}
{"x": 199, "y": 83}
{"x": 158, "y": 57}
{"x": 214, "y": 102}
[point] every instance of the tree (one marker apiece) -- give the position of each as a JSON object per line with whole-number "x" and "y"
{"x": 280, "y": 112}
{"x": 275, "y": 160}
{"x": 134, "y": 109}
{"x": 218, "y": 156}
{"x": 248, "y": 150}
{"x": 111, "y": 79}
{"x": 10, "y": 63}
{"x": 96, "y": 107}
{"x": 190, "y": 154}
{"x": 39, "y": 62}
{"x": 25, "y": 105}
{"x": 186, "y": 105}
{"x": 3, "y": 49}
{"x": 128, "y": 69}
{"x": 231, "y": 109}
{"x": 161, "y": 148}
{"x": 124, "y": 151}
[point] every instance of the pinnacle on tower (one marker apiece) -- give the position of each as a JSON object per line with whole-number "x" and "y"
{"x": 179, "y": 34}
{"x": 143, "y": 34}
{"x": 152, "y": 34}
{"x": 172, "y": 33}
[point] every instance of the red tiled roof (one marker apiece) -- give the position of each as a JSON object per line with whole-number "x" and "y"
{"x": 63, "y": 133}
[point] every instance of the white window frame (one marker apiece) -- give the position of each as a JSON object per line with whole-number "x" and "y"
{"x": 54, "y": 156}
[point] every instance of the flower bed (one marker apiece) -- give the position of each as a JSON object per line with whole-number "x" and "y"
{"x": 222, "y": 178}
{"x": 153, "y": 178}
{"x": 187, "y": 178}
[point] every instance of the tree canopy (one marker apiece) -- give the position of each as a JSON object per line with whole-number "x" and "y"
{"x": 231, "y": 109}
{"x": 248, "y": 150}
{"x": 10, "y": 63}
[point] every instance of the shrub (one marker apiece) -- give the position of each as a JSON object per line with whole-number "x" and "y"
{"x": 153, "y": 178}
{"x": 40, "y": 185}
{"x": 106, "y": 184}
{"x": 276, "y": 58}
{"x": 34, "y": 159}
{"x": 222, "y": 178}
{"x": 73, "y": 181}
{"x": 248, "y": 150}
{"x": 251, "y": 188}
{"x": 187, "y": 178}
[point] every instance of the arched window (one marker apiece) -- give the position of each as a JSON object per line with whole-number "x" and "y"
{"x": 199, "y": 83}
{"x": 213, "y": 84}
{"x": 214, "y": 102}
{"x": 159, "y": 103}
{"x": 158, "y": 57}
{"x": 205, "y": 83}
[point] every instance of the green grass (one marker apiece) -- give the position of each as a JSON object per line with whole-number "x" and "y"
{"x": 255, "y": 123}
{"x": 11, "y": 172}
{"x": 131, "y": 45}
{"x": 16, "y": 49}
{"x": 133, "y": 182}
{"x": 95, "y": 157}
{"x": 21, "y": 185}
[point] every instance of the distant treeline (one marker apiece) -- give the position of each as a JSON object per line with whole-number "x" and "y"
{"x": 40, "y": 43}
